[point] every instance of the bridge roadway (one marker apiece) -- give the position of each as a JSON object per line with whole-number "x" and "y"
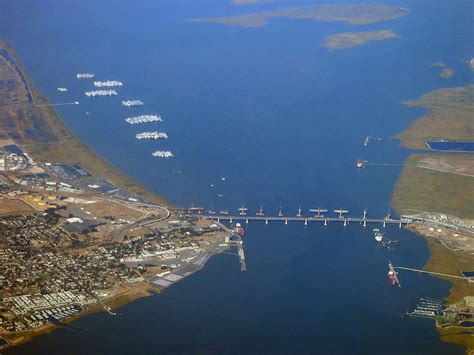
{"x": 307, "y": 220}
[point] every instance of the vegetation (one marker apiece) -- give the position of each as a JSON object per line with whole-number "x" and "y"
{"x": 449, "y": 117}
{"x": 353, "y": 14}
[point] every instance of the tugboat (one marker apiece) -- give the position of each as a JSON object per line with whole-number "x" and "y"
{"x": 378, "y": 236}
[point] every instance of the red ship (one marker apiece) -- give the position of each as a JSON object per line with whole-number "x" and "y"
{"x": 239, "y": 230}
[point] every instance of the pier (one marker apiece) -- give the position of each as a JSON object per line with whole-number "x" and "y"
{"x": 307, "y": 220}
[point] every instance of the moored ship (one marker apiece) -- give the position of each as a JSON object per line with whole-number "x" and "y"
{"x": 151, "y": 135}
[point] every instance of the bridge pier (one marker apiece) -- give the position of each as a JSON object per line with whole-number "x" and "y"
{"x": 400, "y": 225}
{"x": 230, "y": 220}
{"x": 247, "y": 221}
{"x": 345, "y": 222}
{"x": 286, "y": 221}
{"x": 384, "y": 224}
{"x": 325, "y": 222}
{"x": 266, "y": 221}
{"x": 218, "y": 219}
{"x": 365, "y": 223}
{"x": 305, "y": 222}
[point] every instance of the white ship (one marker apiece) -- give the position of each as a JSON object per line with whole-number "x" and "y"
{"x": 84, "y": 76}
{"x": 108, "y": 83}
{"x": 130, "y": 103}
{"x": 144, "y": 119}
{"x": 62, "y": 89}
{"x": 151, "y": 135}
{"x": 163, "y": 154}
{"x": 101, "y": 93}
{"x": 378, "y": 236}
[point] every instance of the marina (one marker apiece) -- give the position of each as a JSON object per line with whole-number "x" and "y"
{"x": 108, "y": 83}
{"x": 101, "y": 93}
{"x": 151, "y": 135}
{"x": 163, "y": 154}
{"x": 131, "y": 103}
{"x": 143, "y": 119}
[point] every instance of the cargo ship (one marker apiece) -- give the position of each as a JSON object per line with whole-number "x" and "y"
{"x": 151, "y": 135}
{"x": 143, "y": 119}
{"x": 84, "y": 76}
{"x": 163, "y": 154}
{"x": 101, "y": 93}
{"x": 108, "y": 83}
{"x": 131, "y": 103}
{"x": 239, "y": 230}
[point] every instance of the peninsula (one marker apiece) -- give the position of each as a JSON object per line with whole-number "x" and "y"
{"x": 439, "y": 188}
{"x": 76, "y": 235}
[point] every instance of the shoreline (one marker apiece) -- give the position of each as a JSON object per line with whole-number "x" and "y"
{"x": 68, "y": 148}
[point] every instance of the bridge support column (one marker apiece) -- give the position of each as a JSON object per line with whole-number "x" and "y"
{"x": 305, "y": 222}
{"x": 384, "y": 224}
{"x": 247, "y": 221}
{"x": 345, "y": 222}
{"x": 365, "y": 223}
{"x": 266, "y": 221}
{"x": 325, "y": 222}
{"x": 218, "y": 219}
{"x": 286, "y": 221}
{"x": 230, "y": 220}
{"x": 400, "y": 225}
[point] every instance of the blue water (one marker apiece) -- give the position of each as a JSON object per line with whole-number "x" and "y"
{"x": 452, "y": 146}
{"x": 283, "y": 119}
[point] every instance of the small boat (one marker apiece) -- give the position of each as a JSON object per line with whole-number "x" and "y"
{"x": 62, "y": 89}
{"x": 224, "y": 212}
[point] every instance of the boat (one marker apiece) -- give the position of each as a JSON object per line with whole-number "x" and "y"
{"x": 151, "y": 135}
{"x": 163, "y": 154}
{"x": 239, "y": 230}
{"x": 175, "y": 171}
{"x": 84, "y": 76}
{"x": 361, "y": 163}
{"x": 220, "y": 195}
{"x": 108, "y": 83}
{"x": 378, "y": 236}
{"x": 392, "y": 278}
{"x": 260, "y": 212}
{"x": 144, "y": 119}
{"x": 62, "y": 89}
{"x": 101, "y": 93}
{"x": 131, "y": 103}
{"x": 224, "y": 212}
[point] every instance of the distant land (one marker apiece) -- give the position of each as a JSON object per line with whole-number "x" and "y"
{"x": 440, "y": 187}
{"x": 353, "y": 14}
{"x": 355, "y": 39}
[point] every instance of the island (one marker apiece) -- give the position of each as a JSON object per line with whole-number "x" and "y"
{"x": 444, "y": 72}
{"x": 355, "y": 39}
{"x": 353, "y": 14}
{"x": 438, "y": 188}
{"x": 76, "y": 235}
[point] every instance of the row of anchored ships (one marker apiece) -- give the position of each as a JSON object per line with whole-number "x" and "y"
{"x": 109, "y": 84}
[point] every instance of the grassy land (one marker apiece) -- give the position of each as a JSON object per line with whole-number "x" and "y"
{"x": 420, "y": 189}
{"x": 450, "y": 116}
{"x": 354, "y": 39}
{"x": 42, "y": 133}
{"x": 353, "y": 14}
